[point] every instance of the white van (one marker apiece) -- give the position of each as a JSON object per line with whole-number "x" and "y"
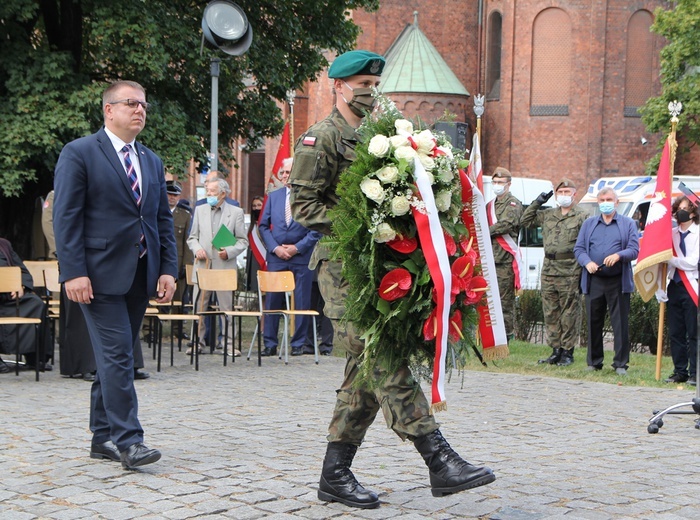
{"x": 634, "y": 194}
{"x": 531, "y": 246}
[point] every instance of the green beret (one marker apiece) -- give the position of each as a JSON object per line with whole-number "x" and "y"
{"x": 355, "y": 63}
{"x": 566, "y": 183}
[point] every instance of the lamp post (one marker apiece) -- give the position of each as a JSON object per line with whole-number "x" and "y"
{"x": 224, "y": 27}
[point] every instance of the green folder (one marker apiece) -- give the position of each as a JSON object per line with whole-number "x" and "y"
{"x": 223, "y": 238}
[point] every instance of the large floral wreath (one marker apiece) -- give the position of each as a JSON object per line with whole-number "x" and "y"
{"x": 376, "y": 233}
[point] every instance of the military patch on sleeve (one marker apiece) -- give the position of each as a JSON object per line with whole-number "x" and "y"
{"x": 309, "y": 140}
{"x": 513, "y": 203}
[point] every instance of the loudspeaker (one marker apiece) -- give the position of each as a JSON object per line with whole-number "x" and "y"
{"x": 457, "y": 133}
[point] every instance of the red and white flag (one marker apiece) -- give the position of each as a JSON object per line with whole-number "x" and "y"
{"x": 257, "y": 245}
{"x": 656, "y": 246}
{"x": 474, "y": 171}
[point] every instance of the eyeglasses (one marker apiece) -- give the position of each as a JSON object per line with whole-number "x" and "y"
{"x": 132, "y": 103}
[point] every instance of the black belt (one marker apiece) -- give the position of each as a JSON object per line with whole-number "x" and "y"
{"x": 559, "y": 256}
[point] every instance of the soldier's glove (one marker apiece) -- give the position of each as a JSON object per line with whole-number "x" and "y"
{"x": 661, "y": 296}
{"x": 544, "y": 197}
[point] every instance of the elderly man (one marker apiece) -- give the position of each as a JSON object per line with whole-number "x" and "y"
{"x": 321, "y": 155}
{"x": 209, "y": 218}
{"x": 561, "y": 301}
{"x": 605, "y": 248}
{"x": 504, "y": 214}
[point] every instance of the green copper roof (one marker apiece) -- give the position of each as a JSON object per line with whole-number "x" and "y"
{"x": 414, "y": 65}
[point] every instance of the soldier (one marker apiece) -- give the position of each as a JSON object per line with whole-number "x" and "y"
{"x": 182, "y": 219}
{"x": 561, "y": 299}
{"x": 321, "y": 155}
{"x": 504, "y": 214}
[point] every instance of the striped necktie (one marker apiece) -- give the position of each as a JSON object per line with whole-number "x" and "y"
{"x": 287, "y": 210}
{"x": 134, "y": 182}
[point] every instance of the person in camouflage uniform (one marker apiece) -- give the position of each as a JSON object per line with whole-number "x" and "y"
{"x": 561, "y": 298}
{"x": 508, "y": 210}
{"x": 322, "y": 153}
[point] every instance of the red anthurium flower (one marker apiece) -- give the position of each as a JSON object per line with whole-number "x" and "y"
{"x": 476, "y": 290}
{"x": 455, "y": 331}
{"x": 466, "y": 245}
{"x": 430, "y": 326}
{"x": 395, "y": 284}
{"x": 462, "y": 271}
{"x": 450, "y": 243}
{"x": 403, "y": 244}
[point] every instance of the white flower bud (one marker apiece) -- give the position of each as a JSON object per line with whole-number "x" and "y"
{"x": 379, "y": 146}
{"x": 400, "y": 205}
{"x": 403, "y": 126}
{"x": 388, "y": 174}
{"x": 373, "y": 189}
{"x": 384, "y": 233}
{"x": 443, "y": 200}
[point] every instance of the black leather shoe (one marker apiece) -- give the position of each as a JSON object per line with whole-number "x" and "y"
{"x": 676, "y": 378}
{"x": 89, "y": 376}
{"x": 138, "y": 455}
{"x": 266, "y": 352}
{"x": 106, "y": 450}
{"x": 692, "y": 381}
{"x": 566, "y": 359}
{"x": 297, "y": 351}
{"x": 141, "y": 375}
{"x": 553, "y": 359}
{"x": 338, "y": 484}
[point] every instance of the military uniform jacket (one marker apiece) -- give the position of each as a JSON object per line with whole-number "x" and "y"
{"x": 508, "y": 211}
{"x": 559, "y": 233}
{"x": 182, "y": 220}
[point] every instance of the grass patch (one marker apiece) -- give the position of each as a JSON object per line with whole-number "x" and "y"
{"x": 523, "y": 360}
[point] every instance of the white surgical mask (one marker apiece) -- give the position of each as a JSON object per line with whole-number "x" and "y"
{"x": 565, "y": 200}
{"x": 498, "y": 189}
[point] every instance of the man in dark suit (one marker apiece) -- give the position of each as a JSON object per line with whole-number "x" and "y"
{"x": 289, "y": 247}
{"x": 115, "y": 241}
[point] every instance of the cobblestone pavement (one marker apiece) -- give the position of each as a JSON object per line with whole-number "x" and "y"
{"x": 244, "y": 441}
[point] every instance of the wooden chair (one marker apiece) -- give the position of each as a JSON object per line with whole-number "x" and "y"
{"x": 172, "y": 318}
{"x": 11, "y": 281}
{"x": 227, "y": 280}
{"x": 282, "y": 281}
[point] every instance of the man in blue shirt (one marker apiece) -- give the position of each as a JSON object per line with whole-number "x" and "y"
{"x": 606, "y": 246}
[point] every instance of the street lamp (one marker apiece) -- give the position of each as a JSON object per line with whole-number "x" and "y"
{"x": 224, "y": 27}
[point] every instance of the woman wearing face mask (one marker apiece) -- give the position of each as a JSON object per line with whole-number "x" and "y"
{"x": 605, "y": 248}
{"x": 252, "y": 266}
{"x": 561, "y": 301}
{"x": 682, "y": 292}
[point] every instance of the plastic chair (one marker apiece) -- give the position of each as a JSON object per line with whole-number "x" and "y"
{"x": 282, "y": 281}
{"x": 11, "y": 281}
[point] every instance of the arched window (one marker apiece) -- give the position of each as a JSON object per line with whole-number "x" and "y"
{"x": 638, "y": 64}
{"x": 551, "y": 64}
{"x": 493, "y": 56}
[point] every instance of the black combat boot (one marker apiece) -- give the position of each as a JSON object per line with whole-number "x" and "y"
{"x": 449, "y": 473}
{"x": 567, "y": 358}
{"x": 338, "y": 484}
{"x": 553, "y": 359}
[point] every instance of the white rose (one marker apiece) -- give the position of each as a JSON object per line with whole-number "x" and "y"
{"x": 427, "y": 162}
{"x": 379, "y": 145}
{"x": 388, "y": 174}
{"x": 384, "y": 233}
{"x": 446, "y": 150}
{"x": 400, "y": 205}
{"x": 398, "y": 141}
{"x": 403, "y": 126}
{"x": 405, "y": 152}
{"x": 425, "y": 141}
{"x": 446, "y": 175}
{"x": 373, "y": 189}
{"x": 443, "y": 200}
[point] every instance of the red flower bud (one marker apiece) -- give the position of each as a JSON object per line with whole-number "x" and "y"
{"x": 395, "y": 284}
{"x": 403, "y": 244}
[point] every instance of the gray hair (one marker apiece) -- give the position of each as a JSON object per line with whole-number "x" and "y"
{"x": 606, "y": 191}
{"x": 222, "y": 184}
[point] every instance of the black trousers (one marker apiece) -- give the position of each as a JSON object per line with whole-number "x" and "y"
{"x": 682, "y": 329}
{"x": 605, "y": 294}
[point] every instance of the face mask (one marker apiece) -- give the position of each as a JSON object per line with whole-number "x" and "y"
{"x": 606, "y": 208}
{"x": 565, "y": 200}
{"x": 254, "y": 214}
{"x": 682, "y": 216}
{"x": 498, "y": 189}
{"x": 362, "y": 100}
{"x": 212, "y": 200}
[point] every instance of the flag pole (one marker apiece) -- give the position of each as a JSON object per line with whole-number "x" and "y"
{"x": 674, "y": 109}
{"x": 291, "y": 94}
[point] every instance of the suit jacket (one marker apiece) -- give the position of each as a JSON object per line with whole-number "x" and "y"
{"x": 202, "y": 234}
{"x": 97, "y": 223}
{"x": 275, "y": 231}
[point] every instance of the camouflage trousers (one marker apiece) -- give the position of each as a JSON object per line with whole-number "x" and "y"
{"x": 561, "y": 305}
{"x": 405, "y": 408}
{"x": 506, "y": 288}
